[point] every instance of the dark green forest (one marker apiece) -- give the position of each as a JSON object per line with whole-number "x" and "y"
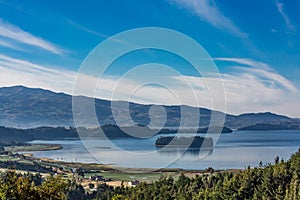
{"x": 279, "y": 180}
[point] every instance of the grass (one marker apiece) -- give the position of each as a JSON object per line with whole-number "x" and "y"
{"x": 145, "y": 177}
{"x": 5, "y": 158}
{"x": 33, "y": 147}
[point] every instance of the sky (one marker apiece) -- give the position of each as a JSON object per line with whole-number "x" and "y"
{"x": 254, "y": 44}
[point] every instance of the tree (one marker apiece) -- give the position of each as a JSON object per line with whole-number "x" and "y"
{"x": 54, "y": 188}
{"x": 293, "y": 192}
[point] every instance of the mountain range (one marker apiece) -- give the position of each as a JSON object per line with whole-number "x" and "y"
{"x": 23, "y": 107}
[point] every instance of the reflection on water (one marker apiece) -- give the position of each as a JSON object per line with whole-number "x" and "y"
{"x": 235, "y": 150}
{"x": 175, "y": 151}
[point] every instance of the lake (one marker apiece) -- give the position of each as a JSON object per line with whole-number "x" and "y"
{"x": 232, "y": 151}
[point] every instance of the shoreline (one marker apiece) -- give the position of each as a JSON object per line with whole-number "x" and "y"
{"x": 118, "y": 169}
{"x": 33, "y": 147}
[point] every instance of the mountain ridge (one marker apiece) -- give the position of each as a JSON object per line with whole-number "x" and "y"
{"x": 24, "y": 107}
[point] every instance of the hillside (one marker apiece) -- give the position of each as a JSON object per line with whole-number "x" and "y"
{"x": 23, "y": 107}
{"x": 269, "y": 127}
{"x": 11, "y": 135}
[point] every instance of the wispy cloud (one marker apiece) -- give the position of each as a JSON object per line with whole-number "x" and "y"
{"x": 287, "y": 20}
{"x": 93, "y": 32}
{"x": 9, "y": 44}
{"x": 85, "y": 29}
{"x": 208, "y": 11}
{"x": 252, "y": 90}
{"x": 16, "y": 34}
{"x": 16, "y": 71}
{"x": 247, "y": 62}
{"x": 272, "y": 78}
{"x": 261, "y": 70}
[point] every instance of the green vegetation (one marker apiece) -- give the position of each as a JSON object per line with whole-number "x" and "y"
{"x": 193, "y": 142}
{"x": 277, "y": 181}
{"x": 144, "y": 177}
{"x": 29, "y": 186}
{"x": 14, "y": 136}
{"x": 271, "y": 181}
{"x": 33, "y": 147}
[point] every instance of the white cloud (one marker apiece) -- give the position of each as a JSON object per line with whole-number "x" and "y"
{"x": 10, "y": 45}
{"x": 272, "y": 78}
{"x": 21, "y": 72}
{"x": 286, "y": 19}
{"x": 16, "y": 34}
{"x": 93, "y": 32}
{"x": 85, "y": 29}
{"x": 248, "y": 90}
{"x": 247, "y": 62}
{"x": 208, "y": 11}
{"x": 259, "y": 91}
{"x": 252, "y": 90}
{"x": 261, "y": 70}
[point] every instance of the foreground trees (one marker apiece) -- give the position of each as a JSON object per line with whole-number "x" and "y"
{"x": 278, "y": 181}
{"x": 28, "y": 186}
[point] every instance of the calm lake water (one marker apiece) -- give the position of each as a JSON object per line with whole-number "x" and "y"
{"x": 234, "y": 150}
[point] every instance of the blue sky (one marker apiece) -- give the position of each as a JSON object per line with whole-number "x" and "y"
{"x": 255, "y": 45}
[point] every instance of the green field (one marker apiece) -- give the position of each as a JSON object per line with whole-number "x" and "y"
{"x": 123, "y": 176}
{"x": 5, "y": 158}
{"x": 33, "y": 147}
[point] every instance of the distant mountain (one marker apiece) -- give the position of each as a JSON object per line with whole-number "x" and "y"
{"x": 23, "y": 107}
{"x": 269, "y": 127}
{"x": 268, "y": 118}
